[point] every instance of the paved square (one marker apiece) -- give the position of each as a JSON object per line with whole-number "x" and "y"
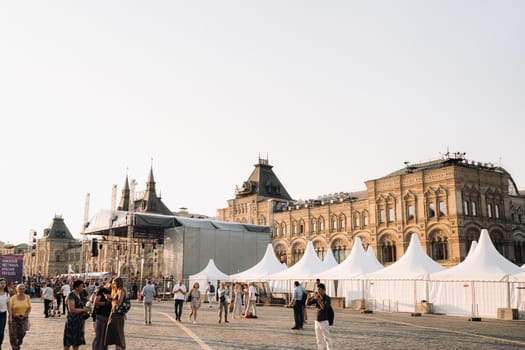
{"x": 272, "y": 330}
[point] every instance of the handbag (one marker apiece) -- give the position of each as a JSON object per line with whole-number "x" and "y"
{"x": 189, "y": 297}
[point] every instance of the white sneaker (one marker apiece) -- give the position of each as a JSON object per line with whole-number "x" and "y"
{"x": 194, "y": 322}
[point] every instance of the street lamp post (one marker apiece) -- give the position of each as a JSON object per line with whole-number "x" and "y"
{"x": 131, "y": 222}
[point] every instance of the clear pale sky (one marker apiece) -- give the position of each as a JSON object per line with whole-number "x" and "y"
{"x": 335, "y": 92}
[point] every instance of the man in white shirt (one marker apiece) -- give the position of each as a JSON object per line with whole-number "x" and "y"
{"x": 65, "y": 290}
{"x": 179, "y": 294}
{"x": 47, "y": 295}
{"x": 252, "y": 300}
{"x": 148, "y": 293}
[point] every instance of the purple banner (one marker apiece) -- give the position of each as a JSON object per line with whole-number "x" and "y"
{"x": 11, "y": 268}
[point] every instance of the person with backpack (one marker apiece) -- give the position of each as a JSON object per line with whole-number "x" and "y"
{"x": 325, "y": 317}
{"x": 210, "y": 292}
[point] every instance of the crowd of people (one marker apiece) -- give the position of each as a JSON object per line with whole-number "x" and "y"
{"x": 105, "y": 304}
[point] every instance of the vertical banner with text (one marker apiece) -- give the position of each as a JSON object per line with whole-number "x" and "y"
{"x": 11, "y": 268}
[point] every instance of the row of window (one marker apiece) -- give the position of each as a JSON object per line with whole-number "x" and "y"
{"x": 493, "y": 209}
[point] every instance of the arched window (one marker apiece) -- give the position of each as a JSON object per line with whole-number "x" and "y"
{"x": 356, "y": 220}
{"x": 321, "y": 224}
{"x": 280, "y": 252}
{"x": 339, "y": 250}
{"x": 519, "y": 249}
{"x": 365, "y": 218}
{"x": 301, "y": 226}
{"x": 314, "y": 225}
{"x": 439, "y": 247}
{"x": 499, "y": 243}
{"x": 342, "y": 222}
{"x": 297, "y": 253}
{"x": 334, "y": 223}
{"x": 319, "y": 250}
{"x": 388, "y": 250}
{"x": 283, "y": 229}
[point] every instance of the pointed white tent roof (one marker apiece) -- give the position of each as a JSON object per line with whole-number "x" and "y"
{"x": 372, "y": 261}
{"x": 484, "y": 264}
{"x": 354, "y": 265}
{"x": 308, "y": 267}
{"x": 414, "y": 264}
{"x": 329, "y": 259}
{"x": 269, "y": 264}
{"x": 210, "y": 272}
{"x": 473, "y": 246}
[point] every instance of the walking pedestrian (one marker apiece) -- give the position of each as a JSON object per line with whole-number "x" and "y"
{"x": 47, "y": 297}
{"x": 324, "y": 317}
{"x": 195, "y": 301}
{"x": 4, "y": 307}
{"x": 19, "y": 309}
{"x": 179, "y": 293}
{"x": 76, "y": 316}
{"x": 237, "y": 300}
{"x": 251, "y": 300}
{"x": 210, "y": 293}
{"x": 148, "y": 292}
{"x": 222, "y": 293}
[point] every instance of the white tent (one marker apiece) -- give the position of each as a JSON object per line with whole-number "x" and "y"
{"x": 372, "y": 261}
{"x": 329, "y": 259}
{"x": 400, "y": 286}
{"x": 209, "y": 273}
{"x": 478, "y": 286}
{"x": 268, "y": 265}
{"x": 473, "y": 246}
{"x": 347, "y": 273}
{"x": 306, "y": 269}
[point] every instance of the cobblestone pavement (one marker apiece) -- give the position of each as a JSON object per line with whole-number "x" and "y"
{"x": 352, "y": 330}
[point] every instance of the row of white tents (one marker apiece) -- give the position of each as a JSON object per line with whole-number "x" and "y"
{"x": 478, "y": 286}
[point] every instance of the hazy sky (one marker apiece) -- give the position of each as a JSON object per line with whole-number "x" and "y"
{"x": 335, "y": 92}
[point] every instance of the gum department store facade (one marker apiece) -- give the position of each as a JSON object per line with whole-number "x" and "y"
{"x": 446, "y": 202}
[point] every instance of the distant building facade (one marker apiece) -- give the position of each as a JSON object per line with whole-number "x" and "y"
{"x": 54, "y": 252}
{"x": 446, "y": 202}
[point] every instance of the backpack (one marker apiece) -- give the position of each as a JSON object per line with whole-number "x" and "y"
{"x": 125, "y": 306}
{"x": 212, "y": 288}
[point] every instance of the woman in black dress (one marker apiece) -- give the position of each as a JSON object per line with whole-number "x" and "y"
{"x": 74, "y": 329}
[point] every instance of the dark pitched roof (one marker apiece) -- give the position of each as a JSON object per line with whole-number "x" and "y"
{"x": 58, "y": 230}
{"x": 263, "y": 182}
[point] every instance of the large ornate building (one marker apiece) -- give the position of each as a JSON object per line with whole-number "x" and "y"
{"x": 54, "y": 253}
{"x": 446, "y": 202}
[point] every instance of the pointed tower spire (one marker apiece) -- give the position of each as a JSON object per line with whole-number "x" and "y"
{"x": 150, "y": 196}
{"x": 124, "y": 199}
